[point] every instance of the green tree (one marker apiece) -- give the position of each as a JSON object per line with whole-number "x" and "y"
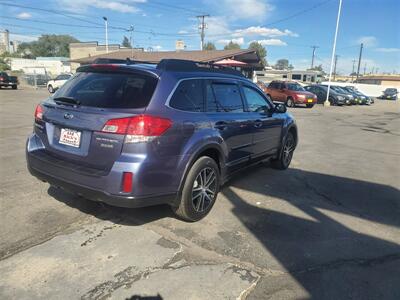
{"x": 126, "y": 43}
{"x": 47, "y": 45}
{"x": 232, "y": 46}
{"x": 261, "y": 51}
{"x": 209, "y": 46}
{"x": 282, "y": 64}
{"x": 318, "y": 68}
{"x": 3, "y": 65}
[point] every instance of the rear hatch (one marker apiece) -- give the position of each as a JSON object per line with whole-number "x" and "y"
{"x": 73, "y": 120}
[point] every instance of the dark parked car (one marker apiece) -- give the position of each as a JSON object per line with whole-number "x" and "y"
{"x": 390, "y": 93}
{"x": 137, "y": 135}
{"x": 8, "y": 81}
{"x": 361, "y": 98}
{"x": 321, "y": 91}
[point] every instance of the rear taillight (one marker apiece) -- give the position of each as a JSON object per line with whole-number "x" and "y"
{"x": 1, "y": 78}
{"x": 138, "y": 129}
{"x": 39, "y": 112}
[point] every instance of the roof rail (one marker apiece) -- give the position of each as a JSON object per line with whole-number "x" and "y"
{"x": 126, "y": 61}
{"x": 181, "y": 65}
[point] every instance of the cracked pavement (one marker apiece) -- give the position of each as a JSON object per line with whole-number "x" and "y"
{"x": 327, "y": 228}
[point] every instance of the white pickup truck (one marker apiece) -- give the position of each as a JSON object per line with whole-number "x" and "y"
{"x": 54, "y": 84}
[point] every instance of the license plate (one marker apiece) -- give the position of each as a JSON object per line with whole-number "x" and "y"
{"x": 310, "y": 100}
{"x": 70, "y": 137}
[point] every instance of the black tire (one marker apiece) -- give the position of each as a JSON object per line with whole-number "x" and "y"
{"x": 190, "y": 207}
{"x": 14, "y": 87}
{"x": 283, "y": 162}
{"x": 309, "y": 105}
{"x": 50, "y": 89}
{"x": 290, "y": 102}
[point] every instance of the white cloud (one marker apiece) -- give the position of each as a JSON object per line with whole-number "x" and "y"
{"x": 182, "y": 32}
{"x": 24, "y": 15}
{"x": 388, "y": 50}
{"x": 246, "y": 9}
{"x": 239, "y": 41}
{"x": 158, "y": 47}
{"x": 124, "y": 6}
{"x": 271, "y": 42}
{"x": 217, "y": 26}
{"x": 368, "y": 41}
{"x": 263, "y": 31}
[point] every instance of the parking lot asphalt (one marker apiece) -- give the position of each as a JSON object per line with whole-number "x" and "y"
{"x": 326, "y": 228}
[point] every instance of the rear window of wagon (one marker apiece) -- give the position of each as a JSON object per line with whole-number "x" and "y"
{"x": 109, "y": 89}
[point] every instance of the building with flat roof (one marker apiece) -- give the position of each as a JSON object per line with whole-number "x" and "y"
{"x": 385, "y": 80}
{"x": 90, "y": 49}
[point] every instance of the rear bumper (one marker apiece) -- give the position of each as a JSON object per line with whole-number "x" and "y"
{"x": 96, "y": 186}
{"x": 102, "y": 196}
{"x": 8, "y": 83}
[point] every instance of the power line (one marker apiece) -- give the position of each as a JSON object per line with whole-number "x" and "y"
{"x": 58, "y": 12}
{"x": 301, "y": 12}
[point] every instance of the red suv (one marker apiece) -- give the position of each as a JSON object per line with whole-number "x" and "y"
{"x": 290, "y": 93}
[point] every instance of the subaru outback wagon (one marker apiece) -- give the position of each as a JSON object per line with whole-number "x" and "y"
{"x": 136, "y": 134}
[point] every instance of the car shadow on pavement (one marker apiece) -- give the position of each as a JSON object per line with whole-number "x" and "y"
{"x": 326, "y": 244}
{"x": 119, "y": 215}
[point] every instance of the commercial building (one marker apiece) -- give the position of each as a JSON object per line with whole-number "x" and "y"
{"x": 384, "y": 80}
{"x": 90, "y": 49}
{"x": 51, "y": 66}
{"x": 306, "y": 76}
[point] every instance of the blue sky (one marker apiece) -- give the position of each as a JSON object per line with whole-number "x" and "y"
{"x": 287, "y": 28}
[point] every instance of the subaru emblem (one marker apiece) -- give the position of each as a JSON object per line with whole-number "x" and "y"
{"x": 68, "y": 116}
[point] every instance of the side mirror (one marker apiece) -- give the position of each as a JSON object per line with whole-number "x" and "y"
{"x": 280, "y": 108}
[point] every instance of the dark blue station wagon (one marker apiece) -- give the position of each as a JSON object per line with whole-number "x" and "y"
{"x": 136, "y": 134}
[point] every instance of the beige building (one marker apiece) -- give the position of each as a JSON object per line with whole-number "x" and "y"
{"x": 89, "y": 49}
{"x": 384, "y": 80}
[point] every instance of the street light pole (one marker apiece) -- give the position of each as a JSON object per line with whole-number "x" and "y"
{"x": 106, "y": 24}
{"x": 327, "y": 103}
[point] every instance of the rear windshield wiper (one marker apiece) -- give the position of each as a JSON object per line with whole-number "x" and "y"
{"x": 67, "y": 100}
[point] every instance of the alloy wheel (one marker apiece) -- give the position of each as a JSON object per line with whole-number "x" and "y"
{"x": 288, "y": 150}
{"x": 204, "y": 189}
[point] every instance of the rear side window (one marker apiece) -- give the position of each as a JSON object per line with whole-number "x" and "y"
{"x": 224, "y": 98}
{"x": 188, "y": 96}
{"x": 109, "y": 90}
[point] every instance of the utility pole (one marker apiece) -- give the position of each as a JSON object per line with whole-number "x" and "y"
{"x": 313, "y": 55}
{"x": 202, "y": 28}
{"x": 131, "y": 29}
{"x": 106, "y": 25}
{"x": 352, "y": 71}
{"x": 327, "y": 103}
{"x": 359, "y": 60}
{"x": 334, "y": 68}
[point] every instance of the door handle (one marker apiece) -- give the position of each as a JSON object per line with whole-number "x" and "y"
{"x": 258, "y": 123}
{"x": 221, "y": 125}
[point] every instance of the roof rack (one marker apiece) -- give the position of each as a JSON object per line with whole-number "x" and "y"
{"x": 181, "y": 65}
